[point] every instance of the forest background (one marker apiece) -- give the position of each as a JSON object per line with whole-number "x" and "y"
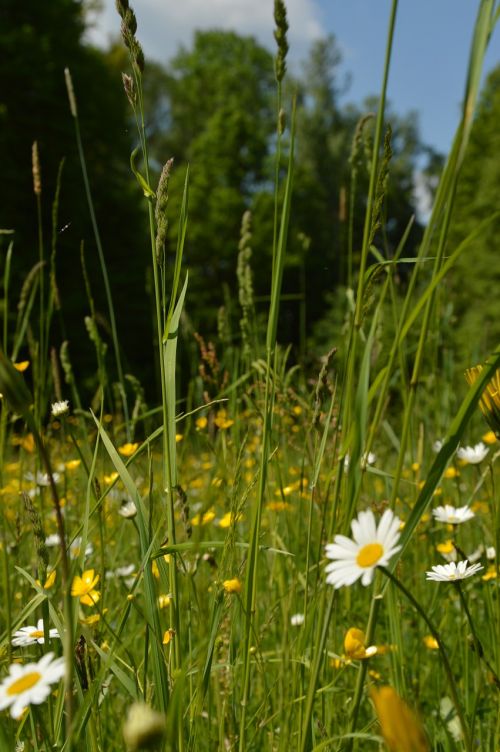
{"x": 212, "y": 107}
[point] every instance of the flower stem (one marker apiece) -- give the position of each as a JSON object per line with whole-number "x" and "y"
{"x": 444, "y": 655}
{"x": 477, "y": 642}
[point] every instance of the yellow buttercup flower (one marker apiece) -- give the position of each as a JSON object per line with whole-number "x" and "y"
{"x": 489, "y": 437}
{"x": 354, "y": 645}
{"x": 203, "y": 519}
{"x": 401, "y": 729}
{"x": 21, "y": 366}
{"x": 72, "y": 464}
{"x": 222, "y": 421}
{"x": 128, "y": 449}
{"x": 84, "y": 588}
{"x": 168, "y": 636}
{"x": 232, "y": 586}
{"x": 430, "y": 642}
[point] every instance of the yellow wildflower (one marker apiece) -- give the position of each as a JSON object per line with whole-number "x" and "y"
{"x": 179, "y": 437}
{"x": 401, "y": 729}
{"x": 72, "y": 464}
{"x": 203, "y": 519}
{"x": 278, "y": 506}
{"x": 201, "y": 423}
{"x": 28, "y": 443}
{"x": 21, "y": 366}
{"x": 229, "y": 519}
{"x": 168, "y": 636}
{"x": 451, "y": 472}
{"x": 128, "y": 449}
{"x": 445, "y": 548}
{"x": 232, "y": 586}
{"x": 222, "y": 421}
{"x": 84, "y": 588}
{"x": 164, "y": 600}
{"x": 490, "y": 574}
{"x": 90, "y": 620}
{"x": 354, "y": 645}
{"x": 430, "y": 642}
{"x": 489, "y": 437}
{"x": 51, "y": 578}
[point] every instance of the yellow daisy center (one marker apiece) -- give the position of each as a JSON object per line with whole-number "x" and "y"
{"x": 37, "y": 633}
{"x": 25, "y": 682}
{"x": 369, "y": 555}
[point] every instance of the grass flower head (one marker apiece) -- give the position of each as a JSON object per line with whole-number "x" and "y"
{"x": 371, "y": 547}
{"x": 29, "y": 684}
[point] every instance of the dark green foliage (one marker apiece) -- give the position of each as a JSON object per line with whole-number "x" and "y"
{"x": 477, "y": 275}
{"x": 37, "y": 41}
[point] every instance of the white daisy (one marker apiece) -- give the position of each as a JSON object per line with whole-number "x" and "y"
{"x": 453, "y": 515}
{"x": 372, "y": 547}
{"x": 128, "y": 509}
{"x": 452, "y": 572}
{"x": 31, "y": 635}
{"x": 473, "y": 455}
{"x": 29, "y": 684}
{"x": 296, "y": 620}
{"x": 60, "y": 408}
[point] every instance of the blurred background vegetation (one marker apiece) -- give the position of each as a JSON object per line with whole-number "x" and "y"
{"x": 212, "y": 107}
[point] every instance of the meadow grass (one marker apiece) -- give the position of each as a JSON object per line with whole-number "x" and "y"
{"x": 180, "y": 553}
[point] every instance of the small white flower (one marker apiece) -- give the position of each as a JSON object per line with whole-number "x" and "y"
{"x": 60, "y": 408}
{"x": 127, "y": 509}
{"x": 473, "y": 455}
{"x": 452, "y": 572}
{"x": 437, "y": 446}
{"x": 125, "y": 571}
{"x": 296, "y": 620}
{"x": 76, "y": 547}
{"x": 53, "y": 540}
{"x": 372, "y": 547}
{"x": 490, "y": 553}
{"x": 42, "y": 479}
{"x": 31, "y": 635}
{"x": 453, "y": 515}
{"x": 368, "y": 458}
{"x": 29, "y": 684}
{"x": 449, "y": 716}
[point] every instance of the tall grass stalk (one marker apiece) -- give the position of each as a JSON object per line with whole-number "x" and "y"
{"x": 100, "y": 252}
{"x": 250, "y": 597}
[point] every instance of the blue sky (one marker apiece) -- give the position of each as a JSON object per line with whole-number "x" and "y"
{"x": 432, "y": 41}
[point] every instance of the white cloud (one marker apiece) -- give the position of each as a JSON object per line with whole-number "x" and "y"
{"x": 163, "y": 25}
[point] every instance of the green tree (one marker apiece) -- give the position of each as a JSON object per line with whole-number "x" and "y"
{"x": 476, "y": 277}
{"x": 218, "y": 108}
{"x": 37, "y": 41}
